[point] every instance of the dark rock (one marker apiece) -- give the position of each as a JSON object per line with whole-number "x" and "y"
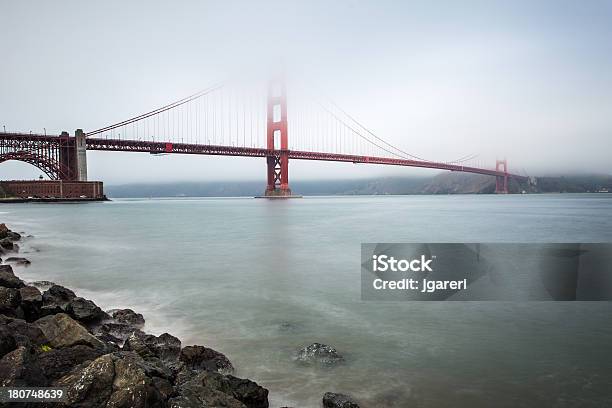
{"x": 128, "y": 316}
{"x": 57, "y": 295}
{"x": 8, "y": 245}
{"x": 8, "y": 278}
{"x": 112, "y": 380}
{"x": 4, "y": 231}
{"x": 318, "y": 353}
{"x": 7, "y": 341}
{"x": 214, "y": 389}
{"x": 17, "y": 260}
{"x": 89, "y": 386}
{"x": 246, "y": 391}
{"x": 164, "y": 346}
{"x": 204, "y": 358}
{"x": 164, "y": 387}
{"x": 63, "y": 331}
{"x": 42, "y": 284}
{"x": 13, "y": 236}
{"x": 333, "y": 400}
{"x": 85, "y": 311}
{"x": 19, "y": 368}
{"x": 116, "y": 332}
{"x": 56, "y": 363}
{"x": 31, "y": 302}
{"x": 194, "y": 394}
{"x": 25, "y": 334}
{"x": 9, "y": 301}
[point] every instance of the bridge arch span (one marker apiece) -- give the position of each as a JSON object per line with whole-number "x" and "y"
{"x": 52, "y": 168}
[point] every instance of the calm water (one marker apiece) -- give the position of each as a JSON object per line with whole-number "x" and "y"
{"x": 231, "y": 273}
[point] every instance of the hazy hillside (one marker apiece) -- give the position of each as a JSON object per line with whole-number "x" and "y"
{"x": 443, "y": 183}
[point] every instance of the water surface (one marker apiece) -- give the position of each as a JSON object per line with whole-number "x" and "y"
{"x": 257, "y": 279}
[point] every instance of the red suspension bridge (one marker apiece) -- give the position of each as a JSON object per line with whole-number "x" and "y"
{"x": 234, "y": 121}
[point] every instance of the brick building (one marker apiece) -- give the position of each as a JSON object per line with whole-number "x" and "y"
{"x": 53, "y": 189}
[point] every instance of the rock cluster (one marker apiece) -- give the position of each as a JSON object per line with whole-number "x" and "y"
{"x": 56, "y": 338}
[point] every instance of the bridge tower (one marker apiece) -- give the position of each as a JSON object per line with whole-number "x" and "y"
{"x": 73, "y": 156}
{"x": 81, "y": 155}
{"x": 277, "y": 140}
{"x": 501, "y": 182}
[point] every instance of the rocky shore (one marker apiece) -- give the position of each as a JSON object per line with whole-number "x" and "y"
{"x": 51, "y": 337}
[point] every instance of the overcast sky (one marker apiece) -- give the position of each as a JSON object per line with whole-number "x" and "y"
{"x": 530, "y": 81}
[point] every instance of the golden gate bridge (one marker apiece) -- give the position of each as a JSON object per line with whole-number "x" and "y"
{"x": 230, "y": 120}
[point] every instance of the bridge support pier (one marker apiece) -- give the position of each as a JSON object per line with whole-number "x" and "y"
{"x": 501, "y": 182}
{"x": 277, "y": 142}
{"x": 81, "y": 155}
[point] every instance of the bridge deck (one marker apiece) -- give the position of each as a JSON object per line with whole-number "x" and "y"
{"x": 123, "y": 145}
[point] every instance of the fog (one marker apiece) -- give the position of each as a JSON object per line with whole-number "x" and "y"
{"x": 527, "y": 81}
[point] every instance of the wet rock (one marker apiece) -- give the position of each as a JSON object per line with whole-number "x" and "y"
{"x": 8, "y": 245}
{"x": 25, "y": 334}
{"x": 246, "y": 391}
{"x": 8, "y": 278}
{"x": 31, "y": 302}
{"x": 17, "y": 260}
{"x": 194, "y": 394}
{"x": 318, "y": 353}
{"x": 112, "y": 380}
{"x": 116, "y": 332}
{"x": 204, "y": 358}
{"x": 13, "y": 236}
{"x": 89, "y": 386}
{"x": 42, "y": 284}
{"x": 19, "y": 368}
{"x": 165, "y": 346}
{"x": 62, "y": 331}
{"x": 9, "y": 301}
{"x": 214, "y": 389}
{"x": 4, "y": 231}
{"x": 7, "y": 341}
{"x": 56, "y": 363}
{"x": 57, "y": 296}
{"x": 128, "y": 316}
{"x": 85, "y": 311}
{"x": 333, "y": 400}
{"x": 131, "y": 386}
{"x": 164, "y": 387}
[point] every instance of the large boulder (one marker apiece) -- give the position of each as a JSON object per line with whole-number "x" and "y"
{"x": 31, "y": 302}
{"x": 9, "y": 302}
{"x": 194, "y": 394}
{"x": 112, "y": 380}
{"x": 129, "y": 317}
{"x": 57, "y": 296}
{"x": 8, "y": 278}
{"x": 19, "y": 368}
{"x": 85, "y": 311}
{"x": 203, "y": 358}
{"x": 89, "y": 386}
{"x": 63, "y": 331}
{"x": 214, "y": 389}
{"x": 56, "y": 363}
{"x": 165, "y": 346}
{"x": 25, "y": 334}
{"x": 333, "y": 400}
{"x": 320, "y": 354}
